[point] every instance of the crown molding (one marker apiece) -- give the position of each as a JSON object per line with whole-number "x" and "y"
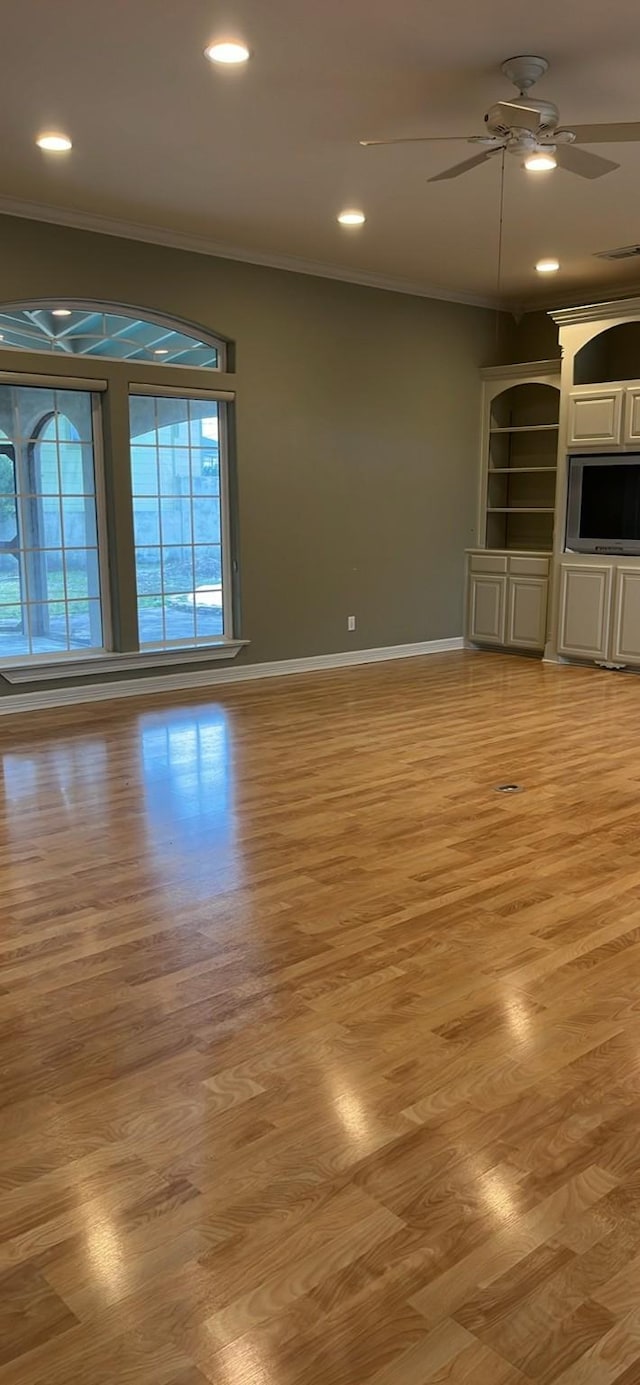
{"x": 592, "y": 312}
{"x": 201, "y": 245}
{"x": 521, "y": 370}
{"x": 575, "y": 301}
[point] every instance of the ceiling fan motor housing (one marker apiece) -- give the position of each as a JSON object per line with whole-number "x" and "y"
{"x": 549, "y": 117}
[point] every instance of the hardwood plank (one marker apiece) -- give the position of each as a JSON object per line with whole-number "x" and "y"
{"x": 318, "y": 1058}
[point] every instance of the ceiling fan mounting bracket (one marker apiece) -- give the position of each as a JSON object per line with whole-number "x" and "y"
{"x": 524, "y": 70}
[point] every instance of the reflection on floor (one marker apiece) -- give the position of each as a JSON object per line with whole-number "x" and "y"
{"x": 318, "y": 1058}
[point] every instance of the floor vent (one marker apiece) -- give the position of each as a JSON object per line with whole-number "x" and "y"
{"x": 624, "y": 252}
{"x": 508, "y": 788}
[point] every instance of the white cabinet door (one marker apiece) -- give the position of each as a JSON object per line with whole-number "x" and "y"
{"x": 625, "y": 647}
{"x": 527, "y": 612}
{"x": 595, "y": 418}
{"x": 486, "y": 608}
{"x": 585, "y": 607}
{"x": 632, "y": 415}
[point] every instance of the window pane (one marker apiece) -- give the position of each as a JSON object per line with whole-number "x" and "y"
{"x": 178, "y": 616}
{"x": 79, "y": 522}
{"x": 206, "y": 475}
{"x": 172, "y": 420}
{"x": 44, "y": 477}
{"x": 148, "y": 570}
{"x": 10, "y": 588}
{"x": 142, "y": 416}
{"x": 176, "y": 519}
{"x": 209, "y": 613}
{"x": 177, "y": 569}
{"x": 144, "y": 470}
{"x": 46, "y": 576}
{"x": 180, "y": 578}
{"x": 13, "y": 640}
{"x": 8, "y": 500}
{"x": 44, "y": 521}
{"x": 50, "y": 582}
{"x": 206, "y": 520}
{"x": 75, "y": 422}
{"x": 76, "y": 468}
{"x": 82, "y": 573}
{"x": 146, "y": 521}
{"x": 29, "y": 409}
{"x": 208, "y": 564}
{"x": 174, "y": 470}
{"x": 10, "y": 616}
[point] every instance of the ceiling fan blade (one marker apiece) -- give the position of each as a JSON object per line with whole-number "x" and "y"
{"x": 583, "y": 163}
{"x": 607, "y": 134}
{"x": 463, "y": 167}
{"x": 519, "y": 114}
{"x": 413, "y": 139}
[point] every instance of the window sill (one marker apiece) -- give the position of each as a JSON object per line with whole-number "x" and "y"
{"x": 71, "y": 667}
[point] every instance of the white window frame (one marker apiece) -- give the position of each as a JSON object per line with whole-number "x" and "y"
{"x": 84, "y": 373}
{"x": 224, "y": 398}
{"x": 73, "y": 656}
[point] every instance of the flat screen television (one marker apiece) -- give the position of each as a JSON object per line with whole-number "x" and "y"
{"x": 603, "y": 506}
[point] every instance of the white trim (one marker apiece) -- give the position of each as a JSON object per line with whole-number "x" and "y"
{"x": 623, "y": 308}
{"x": 521, "y": 370}
{"x": 206, "y": 678}
{"x": 47, "y": 381}
{"x": 70, "y": 666}
{"x": 201, "y": 245}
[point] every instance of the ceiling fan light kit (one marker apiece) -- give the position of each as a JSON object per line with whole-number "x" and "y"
{"x": 542, "y": 161}
{"x": 530, "y": 129}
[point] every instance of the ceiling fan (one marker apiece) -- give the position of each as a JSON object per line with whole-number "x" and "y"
{"x": 530, "y": 128}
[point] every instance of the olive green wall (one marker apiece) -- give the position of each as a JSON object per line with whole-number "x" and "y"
{"x": 535, "y": 338}
{"x": 357, "y": 431}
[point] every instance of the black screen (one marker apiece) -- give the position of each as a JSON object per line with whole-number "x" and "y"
{"x": 610, "y": 505}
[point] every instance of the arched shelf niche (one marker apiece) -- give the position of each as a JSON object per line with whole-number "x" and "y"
{"x": 613, "y": 354}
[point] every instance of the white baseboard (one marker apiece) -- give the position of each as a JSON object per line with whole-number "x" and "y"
{"x": 209, "y": 677}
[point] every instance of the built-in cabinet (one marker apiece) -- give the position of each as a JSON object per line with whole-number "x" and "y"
{"x": 507, "y": 584}
{"x": 507, "y": 599}
{"x": 519, "y": 457}
{"x": 524, "y": 589}
{"x": 585, "y": 610}
{"x": 599, "y": 610}
{"x": 604, "y": 420}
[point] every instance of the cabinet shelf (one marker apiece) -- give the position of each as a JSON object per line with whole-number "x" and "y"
{"x": 520, "y": 440}
{"x": 528, "y": 428}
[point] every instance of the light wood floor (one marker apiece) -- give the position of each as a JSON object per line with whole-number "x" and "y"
{"x": 320, "y": 1060}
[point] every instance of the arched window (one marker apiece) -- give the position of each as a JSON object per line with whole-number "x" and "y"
{"x": 103, "y": 332}
{"x": 146, "y": 565}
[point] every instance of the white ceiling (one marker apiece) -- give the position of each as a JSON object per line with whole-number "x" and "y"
{"x": 259, "y": 160}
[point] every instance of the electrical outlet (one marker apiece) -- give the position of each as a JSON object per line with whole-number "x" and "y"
{"x": 351, "y": 622}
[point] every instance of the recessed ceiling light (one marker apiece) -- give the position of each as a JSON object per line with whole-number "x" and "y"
{"x": 547, "y": 266}
{"x": 53, "y": 143}
{"x": 540, "y": 162}
{"x": 61, "y": 312}
{"x": 351, "y": 218}
{"x": 230, "y": 52}
{"x": 161, "y": 351}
